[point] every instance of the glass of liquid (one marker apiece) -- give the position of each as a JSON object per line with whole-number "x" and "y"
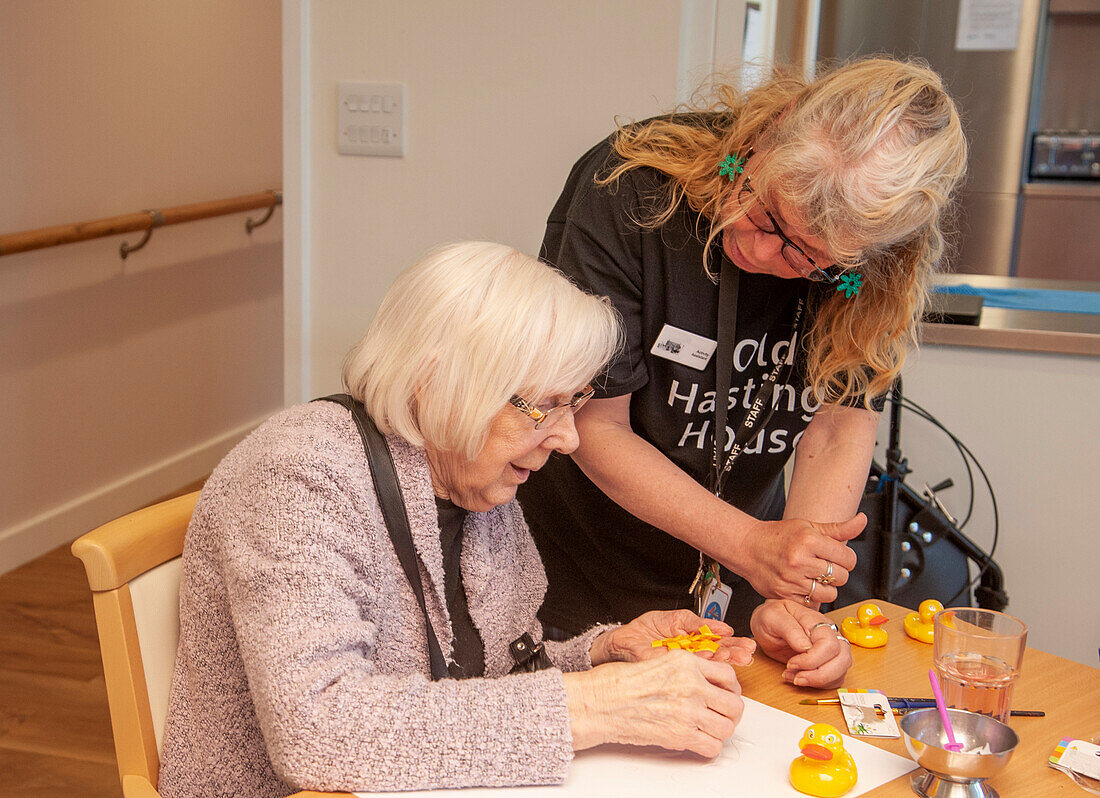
{"x": 977, "y": 655}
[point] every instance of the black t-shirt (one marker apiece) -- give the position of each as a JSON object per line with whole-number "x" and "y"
{"x": 602, "y": 563}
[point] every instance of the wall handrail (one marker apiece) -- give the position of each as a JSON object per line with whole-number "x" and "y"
{"x": 28, "y": 240}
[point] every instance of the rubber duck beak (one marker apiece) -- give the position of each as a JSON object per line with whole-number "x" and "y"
{"x": 815, "y": 751}
{"x": 878, "y": 620}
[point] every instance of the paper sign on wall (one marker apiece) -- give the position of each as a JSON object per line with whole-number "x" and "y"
{"x": 988, "y": 25}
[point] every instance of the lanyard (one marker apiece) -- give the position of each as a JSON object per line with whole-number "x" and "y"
{"x": 707, "y": 580}
{"x": 761, "y": 409}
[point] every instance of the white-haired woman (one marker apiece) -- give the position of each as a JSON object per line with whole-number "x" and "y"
{"x": 305, "y": 654}
{"x": 773, "y": 249}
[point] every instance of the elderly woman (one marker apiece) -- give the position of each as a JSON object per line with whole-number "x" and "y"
{"x": 305, "y": 658}
{"x": 772, "y": 249}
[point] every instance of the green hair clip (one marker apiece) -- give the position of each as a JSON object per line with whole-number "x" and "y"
{"x": 733, "y": 165}
{"x": 850, "y": 283}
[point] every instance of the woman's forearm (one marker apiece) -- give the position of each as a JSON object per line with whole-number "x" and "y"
{"x": 639, "y": 478}
{"x": 780, "y": 559}
{"x": 831, "y": 464}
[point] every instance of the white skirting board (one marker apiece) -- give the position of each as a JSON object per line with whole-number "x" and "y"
{"x": 36, "y": 536}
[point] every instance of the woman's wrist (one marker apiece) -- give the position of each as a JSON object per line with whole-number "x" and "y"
{"x": 582, "y": 702}
{"x": 737, "y": 530}
{"x": 601, "y": 650}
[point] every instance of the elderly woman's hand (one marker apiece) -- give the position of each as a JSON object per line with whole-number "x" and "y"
{"x": 678, "y": 701}
{"x": 805, "y": 640}
{"x": 633, "y": 642}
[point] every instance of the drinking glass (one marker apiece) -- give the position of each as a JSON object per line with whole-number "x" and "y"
{"x": 977, "y": 655}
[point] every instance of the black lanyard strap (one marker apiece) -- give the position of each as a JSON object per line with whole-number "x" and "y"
{"x": 762, "y": 408}
{"x": 758, "y": 415}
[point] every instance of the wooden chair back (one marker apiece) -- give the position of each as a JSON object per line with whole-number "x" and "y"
{"x": 133, "y": 568}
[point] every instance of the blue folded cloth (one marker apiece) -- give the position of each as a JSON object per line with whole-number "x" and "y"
{"x": 1030, "y": 298}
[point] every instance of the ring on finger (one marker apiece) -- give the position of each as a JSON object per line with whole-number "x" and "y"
{"x": 827, "y": 577}
{"x": 809, "y": 597}
{"x": 833, "y": 627}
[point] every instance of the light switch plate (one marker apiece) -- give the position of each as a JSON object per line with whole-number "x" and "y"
{"x": 370, "y": 119}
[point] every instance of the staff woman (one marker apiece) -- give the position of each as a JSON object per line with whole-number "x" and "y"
{"x": 776, "y": 248}
{"x": 305, "y": 659}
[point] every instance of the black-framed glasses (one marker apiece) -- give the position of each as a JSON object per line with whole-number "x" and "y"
{"x": 551, "y": 415}
{"x": 795, "y": 256}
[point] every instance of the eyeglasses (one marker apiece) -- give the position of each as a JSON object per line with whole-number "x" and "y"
{"x": 795, "y": 256}
{"x": 550, "y": 416}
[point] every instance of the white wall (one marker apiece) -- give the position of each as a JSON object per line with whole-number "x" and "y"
{"x": 123, "y": 380}
{"x": 1030, "y": 420}
{"x": 503, "y": 96}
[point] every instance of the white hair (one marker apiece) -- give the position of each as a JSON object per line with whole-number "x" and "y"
{"x": 462, "y": 330}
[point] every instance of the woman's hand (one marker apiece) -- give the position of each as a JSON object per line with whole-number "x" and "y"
{"x": 783, "y": 559}
{"x": 788, "y": 631}
{"x": 633, "y": 642}
{"x": 677, "y": 700}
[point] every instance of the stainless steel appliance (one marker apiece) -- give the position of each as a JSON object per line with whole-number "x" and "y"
{"x": 1065, "y": 155}
{"x": 992, "y": 88}
{"x": 1012, "y": 221}
{"x": 1059, "y": 231}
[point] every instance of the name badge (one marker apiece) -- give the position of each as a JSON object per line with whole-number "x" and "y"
{"x": 683, "y": 347}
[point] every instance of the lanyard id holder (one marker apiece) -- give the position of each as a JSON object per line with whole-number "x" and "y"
{"x": 714, "y": 600}
{"x": 711, "y": 596}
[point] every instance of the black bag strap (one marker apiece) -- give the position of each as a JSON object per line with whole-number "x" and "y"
{"x": 388, "y": 491}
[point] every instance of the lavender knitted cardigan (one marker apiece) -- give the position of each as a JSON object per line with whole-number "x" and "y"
{"x": 302, "y": 660}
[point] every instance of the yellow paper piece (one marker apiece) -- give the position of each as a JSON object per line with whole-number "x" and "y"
{"x": 702, "y": 640}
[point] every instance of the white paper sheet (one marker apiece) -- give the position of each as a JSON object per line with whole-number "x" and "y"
{"x": 988, "y": 25}
{"x": 754, "y": 764}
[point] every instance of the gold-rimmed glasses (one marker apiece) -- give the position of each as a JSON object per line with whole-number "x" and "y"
{"x": 550, "y": 416}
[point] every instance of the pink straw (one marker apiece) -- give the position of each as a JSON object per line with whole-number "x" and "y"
{"x": 951, "y": 744}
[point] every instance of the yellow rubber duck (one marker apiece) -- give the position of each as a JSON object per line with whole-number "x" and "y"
{"x": 863, "y": 629}
{"x": 918, "y": 625}
{"x": 825, "y": 769}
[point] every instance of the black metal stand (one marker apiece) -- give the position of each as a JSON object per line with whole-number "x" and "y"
{"x": 897, "y": 467}
{"x": 906, "y": 511}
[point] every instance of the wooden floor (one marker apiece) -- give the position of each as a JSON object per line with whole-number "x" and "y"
{"x": 55, "y": 730}
{"x": 55, "y": 733}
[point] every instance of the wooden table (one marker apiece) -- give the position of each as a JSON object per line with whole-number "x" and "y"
{"x": 1067, "y": 691}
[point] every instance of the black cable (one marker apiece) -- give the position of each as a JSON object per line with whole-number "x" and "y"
{"x": 967, "y": 454}
{"x": 916, "y": 409}
{"x": 913, "y": 407}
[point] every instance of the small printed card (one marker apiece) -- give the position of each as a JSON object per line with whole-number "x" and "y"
{"x": 868, "y": 713}
{"x": 684, "y": 347}
{"x": 716, "y": 598}
{"x": 1077, "y": 756}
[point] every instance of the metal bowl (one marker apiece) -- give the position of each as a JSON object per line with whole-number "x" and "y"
{"x": 925, "y": 739}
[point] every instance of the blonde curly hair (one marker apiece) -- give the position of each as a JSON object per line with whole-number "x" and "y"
{"x": 869, "y": 154}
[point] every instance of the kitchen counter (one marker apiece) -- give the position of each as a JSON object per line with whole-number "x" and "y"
{"x": 1021, "y": 330}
